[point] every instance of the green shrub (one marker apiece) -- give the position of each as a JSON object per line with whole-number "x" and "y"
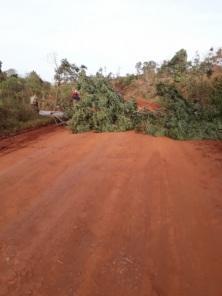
{"x": 15, "y": 110}
{"x": 186, "y": 119}
{"x": 216, "y": 95}
{"x": 126, "y": 80}
{"x": 15, "y": 115}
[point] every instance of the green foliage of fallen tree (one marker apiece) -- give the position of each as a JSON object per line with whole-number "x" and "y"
{"x": 101, "y": 108}
{"x": 185, "y": 119}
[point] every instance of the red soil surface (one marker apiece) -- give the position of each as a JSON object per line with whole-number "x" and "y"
{"x": 148, "y": 104}
{"x": 110, "y": 214}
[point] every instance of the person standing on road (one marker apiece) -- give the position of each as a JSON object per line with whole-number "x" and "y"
{"x": 34, "y": 103}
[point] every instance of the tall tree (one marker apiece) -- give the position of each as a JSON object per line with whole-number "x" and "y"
{"x": 179, "y": 62}
{"x": 149, "y": 69}
{"x": 177, "y": 66}
{"x": 138, "y": 67}
{"x": 34, "y": 83}
{"x": 67, "y": 72}
{"x": 2, "y": 74}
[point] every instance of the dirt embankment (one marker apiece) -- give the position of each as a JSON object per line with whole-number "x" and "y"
{"x": 138, "y": 89}
{"x": 110, "y": 214}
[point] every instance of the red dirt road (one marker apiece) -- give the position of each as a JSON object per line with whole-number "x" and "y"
{"x": 110, "y": 214}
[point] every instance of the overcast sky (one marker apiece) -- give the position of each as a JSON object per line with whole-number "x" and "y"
{"x": 99, "y": 33}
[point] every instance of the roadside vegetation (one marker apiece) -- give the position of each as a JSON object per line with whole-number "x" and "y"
{"x": 189, "y": 94}
{"x": 16, "y": 112}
